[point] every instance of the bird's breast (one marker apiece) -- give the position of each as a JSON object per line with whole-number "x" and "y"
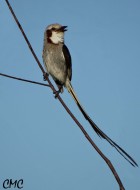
{"x": 56, "y": 65}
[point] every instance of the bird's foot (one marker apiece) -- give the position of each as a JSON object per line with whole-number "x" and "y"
{"x": 57, "y": 92}
{"x": 45, "y": 76}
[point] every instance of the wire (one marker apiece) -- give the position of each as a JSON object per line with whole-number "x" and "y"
{"x": 24, "y": 80}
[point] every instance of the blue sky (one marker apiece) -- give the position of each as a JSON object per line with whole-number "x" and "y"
{"x": 39, "y": 142}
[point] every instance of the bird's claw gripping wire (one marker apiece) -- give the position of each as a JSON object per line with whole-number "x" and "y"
{"x": 57, "y": 92}
{"x": 45, "y": 76}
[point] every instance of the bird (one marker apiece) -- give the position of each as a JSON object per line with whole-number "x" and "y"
{"x": 58, "y": 63}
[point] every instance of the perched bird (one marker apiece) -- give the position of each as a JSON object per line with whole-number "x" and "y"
{"x": 57, "y": 61}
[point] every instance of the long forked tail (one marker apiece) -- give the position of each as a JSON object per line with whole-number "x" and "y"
{"x": 99, "y": 131}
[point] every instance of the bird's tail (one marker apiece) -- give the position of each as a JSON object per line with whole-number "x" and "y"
{"x": 96, "y": 128}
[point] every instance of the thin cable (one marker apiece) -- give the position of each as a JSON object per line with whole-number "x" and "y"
{"x": 24, "y": 80}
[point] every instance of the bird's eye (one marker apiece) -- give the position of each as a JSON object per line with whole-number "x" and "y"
{"x": 49, "y": 33}
{"x": 53, "y": 29}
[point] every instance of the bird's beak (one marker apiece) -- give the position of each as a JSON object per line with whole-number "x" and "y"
{"x": 63, "y": 28}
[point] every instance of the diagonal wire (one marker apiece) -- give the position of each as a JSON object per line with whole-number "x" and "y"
{"x": 64, "y": 105}
{"x": 24, "y": 80}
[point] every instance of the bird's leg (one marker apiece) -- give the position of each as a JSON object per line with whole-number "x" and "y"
{"x": 45, "y": 75}
{"x": 60, "y": 89}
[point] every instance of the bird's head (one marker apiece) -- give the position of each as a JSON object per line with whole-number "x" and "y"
{"x": 55, "y": 33}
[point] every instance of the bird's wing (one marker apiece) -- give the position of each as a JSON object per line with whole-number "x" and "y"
{"x": 67, "y": 56}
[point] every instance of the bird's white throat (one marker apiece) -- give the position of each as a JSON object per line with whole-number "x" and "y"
{"x": 57, "y": 37}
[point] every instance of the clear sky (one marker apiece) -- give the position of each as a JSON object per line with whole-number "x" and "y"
{"x": 39, "y": 142}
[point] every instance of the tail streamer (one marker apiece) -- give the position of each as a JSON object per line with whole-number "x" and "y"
{"x": 99, "y": 132}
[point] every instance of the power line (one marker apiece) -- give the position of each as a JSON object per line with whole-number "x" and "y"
{"x": 24, "y": 80}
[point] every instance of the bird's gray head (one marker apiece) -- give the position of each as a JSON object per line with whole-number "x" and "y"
{"x": 55, "y": 33}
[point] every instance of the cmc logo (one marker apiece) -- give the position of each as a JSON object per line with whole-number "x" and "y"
{"x": 9, "y": 183}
